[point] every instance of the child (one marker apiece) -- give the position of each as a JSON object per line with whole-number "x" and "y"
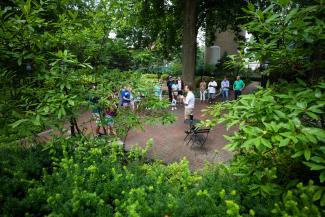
{"x": 174, "y": 103}
{"x": 110, "y": 113}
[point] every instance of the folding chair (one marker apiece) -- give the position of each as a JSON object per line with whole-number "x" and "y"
{"x": 189, "y": 132}
{"x": 199, "y": 136}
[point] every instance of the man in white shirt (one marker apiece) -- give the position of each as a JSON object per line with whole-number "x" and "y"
{"x": 225, "y": 89}
{"x": 212, "y": 88}
{"x": 189, "y": 102}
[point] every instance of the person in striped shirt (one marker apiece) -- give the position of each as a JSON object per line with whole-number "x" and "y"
{"x": 225, "y": 89}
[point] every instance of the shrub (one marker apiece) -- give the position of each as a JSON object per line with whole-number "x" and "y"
{"x": 20, "y": 169}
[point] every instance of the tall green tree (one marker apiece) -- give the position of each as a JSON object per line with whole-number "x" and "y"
{"x": 169, "y": 25}
{"x": 288, "y": 37}
{"x": 52, "y": 52}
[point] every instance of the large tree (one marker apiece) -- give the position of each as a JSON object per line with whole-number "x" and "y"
{"x": 174, "y": 24}
{"x": 189, "y": 41}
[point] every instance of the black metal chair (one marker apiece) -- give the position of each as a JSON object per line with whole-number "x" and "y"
{"x": 198, "y": 135}
{"x": 191, "y": 122}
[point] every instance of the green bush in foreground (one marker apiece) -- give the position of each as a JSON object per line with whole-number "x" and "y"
{"x": 19, "y": 169}
{"x": 280, "y": 145}
{"x": 94, "y": 178}
{"x": 97, "y": 179}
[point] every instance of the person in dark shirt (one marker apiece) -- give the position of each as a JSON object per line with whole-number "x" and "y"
{"x": 170, "y": 89}
{"x": 95, "y": 112}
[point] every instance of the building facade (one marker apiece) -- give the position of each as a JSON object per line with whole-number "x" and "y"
{"x": 224, "y": 43}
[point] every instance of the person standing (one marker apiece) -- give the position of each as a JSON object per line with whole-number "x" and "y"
{"x": 225, "y": 89}
{"x": 158, "y": 90}
{"x": 110, "y": 114}
{"x": 189, "y": 102}
{"x": 203, "y": 87}
{"x": 180, "y": 88}
{"x": 174, "y": 104}
{"x": 175, "y": 89}
{"x": 96, "y": 111}
{"x": 170, "y": 89}
{"x": 133, "y": 100}
{"x": 121, "y": 93}
{"x": 212, "y": 88}
{"x": 238, "y": 87}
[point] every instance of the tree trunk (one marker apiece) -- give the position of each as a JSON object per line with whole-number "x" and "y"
{"x": 76, "y": 126}
{"x": 189, "y": 41}
{"x": 72, "y": 131}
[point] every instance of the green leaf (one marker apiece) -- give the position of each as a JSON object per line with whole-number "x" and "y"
{"x": 251, "y": 6}
{"x": 280, "y": 113}
{"x": 292, "y": 13}
{"x": 17, "y": 123}
{"x": 314, "y": 166}
{"x": 37, "y": 120}
{"x": 322, "y": 148}
{"x": 317, "y": 108}
{"x": 60, "y": 54}
{"x": 301, "y": 82}
{"x": 26, "y": 7}
{"x": 322, "y": 177}
{"x": 249, "y": 143}
{"x": 271, "y": 18}
{"x": 313, "y": 115}
{"x": 71, "y": 102}
{"x": 317, "y": 195}
{"x": 62, "y": 86}
{"x": 322, "y": 201}
{"x": 318, "y": 93}
{"x": 319, "y": 133}
{"x": 266, "y": 143}
{"x": 318, "y": 159}
{"x": 284, "y": 142}
{"x": 311, "y": 138}
{"x": 302, "y": 105}
{"x": 297, "y": 154}
{"x": 19, "y": 61}
{"x": 307, "y": 154}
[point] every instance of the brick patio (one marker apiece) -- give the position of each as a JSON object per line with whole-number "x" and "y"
{"x": 169, "y": 143}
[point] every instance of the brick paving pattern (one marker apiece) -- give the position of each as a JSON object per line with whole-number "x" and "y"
{"x": 169, "y": 143}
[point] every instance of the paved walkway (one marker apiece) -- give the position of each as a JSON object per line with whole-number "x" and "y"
{"x": 169, "y": 143}
{"x": 168, "y": 140}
